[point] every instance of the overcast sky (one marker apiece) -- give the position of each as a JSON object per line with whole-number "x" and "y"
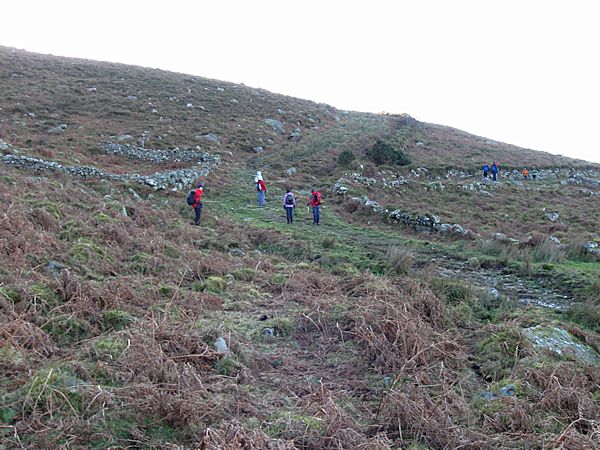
{"x": 525, "y": 72}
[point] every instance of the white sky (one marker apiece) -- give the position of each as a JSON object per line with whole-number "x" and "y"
{"x": 525, "y": 72}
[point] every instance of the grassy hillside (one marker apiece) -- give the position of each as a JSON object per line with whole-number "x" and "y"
{"x": 359, "y": 333}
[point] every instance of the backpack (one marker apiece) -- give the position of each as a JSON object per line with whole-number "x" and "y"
{"x": 191, "y": 198}
{"x": 289, "y": 199}
{"x": 316, "y": 198}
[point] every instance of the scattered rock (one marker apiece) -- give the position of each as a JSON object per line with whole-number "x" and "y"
{"x": 132, "y": 97}
{"x": 136, "y": 196}
{"x": 3, "y": 145}
{"x": 295, "y": 135}
{"x": 221, "y": 345}
{"x": 55, "y": 268}
{"x": 339, "y": 188}
{"x": 291, "y": 171}
{"x": 509, "y": 390}
{"x": 258, "y": 149}
{"x": 375, "y": 207}
{"x": 236, "y": 252}
{"x": 210, "y": 137}
{"x": 125, "y": 137}
{"x": 268, "y": 332}
{"x": 276, "y": 125}
{"x": 561, "y": 342}
{"x": 58, "y": 129}
{"x": 553, "y": 217}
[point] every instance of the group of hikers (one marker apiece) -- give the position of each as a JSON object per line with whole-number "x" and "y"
{"x": 494, "y": 169}
{"x": 289, "y": 200}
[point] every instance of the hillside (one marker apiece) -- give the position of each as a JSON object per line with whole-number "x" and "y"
{"x": 430, "y": 309}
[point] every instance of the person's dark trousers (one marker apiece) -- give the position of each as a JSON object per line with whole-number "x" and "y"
{"x": 494, "y": 176}
{"x": 315, "y": 215}
{"x": 198, "y": 211}
{"x": 485, "y": 174}
{"x": 289, "y": 212}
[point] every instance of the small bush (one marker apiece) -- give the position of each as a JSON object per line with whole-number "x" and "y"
{"x": 110, "y": 347}
{"x": 586, "y": 314}
{"x": 67, "y": 329}
{"x": 498, "y": 353}
{"x": 215, "y": 285}
{"x": 245, "y": 274}
{"x": 400, "y": 259}
{"x": 328, "y": 242}
{"x": 383, "y": 153}
{"x": 115, "y": 319}
{"x": 345, "y": 158}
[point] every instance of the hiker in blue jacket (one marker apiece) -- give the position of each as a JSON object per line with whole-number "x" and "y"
{"x": 486, "y": 170}
{"x": 289, "y": 203}
{"x": 495, "y": 169}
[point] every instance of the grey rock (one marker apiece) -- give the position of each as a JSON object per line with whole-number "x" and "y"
{"x": 3, "y": 145}
{"x": 125, "y": 137}
{"x": 268, "y": 332}
{"x": 132, "y": 97}
{"x": 553, "y": 217}
{"x": 123, "y": 211}
{"x": 376, "y": 207}
{"x": 560, "y": 341}
{"x": 221, "y": 345}
{"x": 295, "y": 135}
{"x": 58, "y": 129}
{"x": 55, "y": 268}
{"x": 210, "y": 137}
{"x": 236, "y": 252}
{"x": 276, "y": 125}
{"x": 258, "y": 149}
{"x": 291, "y": 171}
{"x": 555, "y": 240}
{"x": 136, "y": 196}
{"x": 339, "y": 188}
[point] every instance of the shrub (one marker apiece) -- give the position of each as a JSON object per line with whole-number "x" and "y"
{"x": 345, "y": 158}
{"x": 499, "y": 352}
{"x": 215, "y": 285}
{"x": 328, "y": 242}
{"x": 400, "y": 259}
{"x": 110, "y": 347}
{"x": 67, "y": 329}
{"x": 116, "y": 319}
{"x": 383, "y": 153}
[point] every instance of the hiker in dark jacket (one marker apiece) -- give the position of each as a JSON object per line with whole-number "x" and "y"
{"x": 198, "y": 205}
{"x": 289, "y": 203}
{"x": 315, "y": 203}
{"x": 486, "y": 170}
{"x": 495, "y": 169}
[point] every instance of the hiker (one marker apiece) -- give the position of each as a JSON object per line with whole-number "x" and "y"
{"x": 494, "y": 169}
{"x": 525, "y": 173}
{"x": 486, "y": 170}
{"x": 315, "y": 203}
{"x": 198, "y": 206}
{"x": 261, "y": 188}
{"x": 289, "y": 203}
{"x": 534, "y": 174}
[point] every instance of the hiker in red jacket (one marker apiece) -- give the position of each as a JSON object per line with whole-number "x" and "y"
{"x": 315, "y": 203}
{"x": 261, "y": 188}
{"x": 198, "y": 205}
